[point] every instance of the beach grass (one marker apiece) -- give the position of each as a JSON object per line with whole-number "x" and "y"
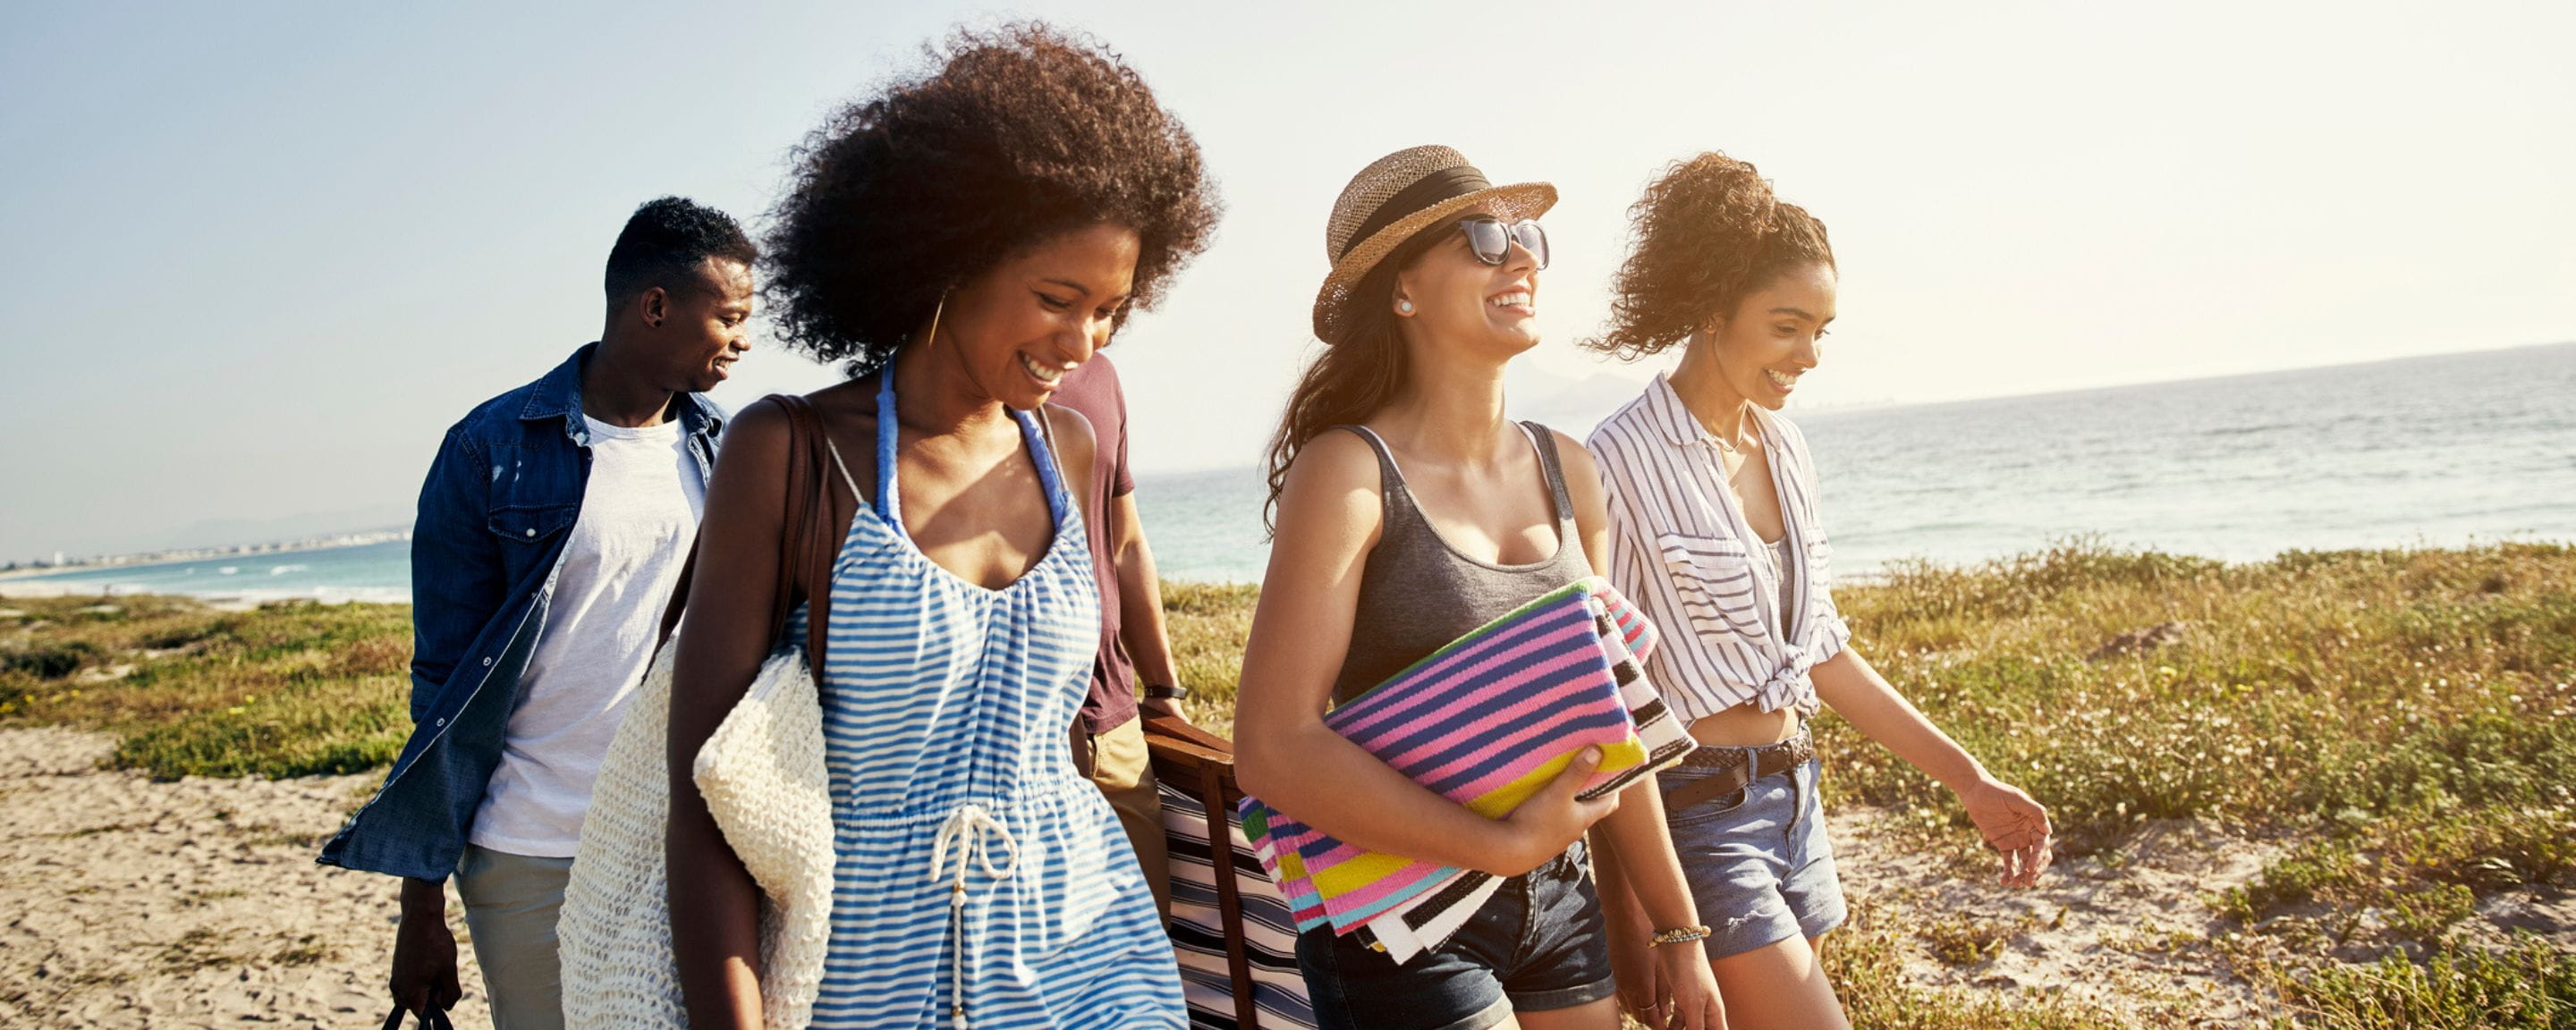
{"x": 2395, "y": 724}
{"x": 289, "y": 689}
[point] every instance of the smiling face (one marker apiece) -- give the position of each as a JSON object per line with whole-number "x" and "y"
{"x": 1466, "y": 302}
{"x": 1040, "y": 313}
{"x": 700, "y": 325}
{"x": 1774, "y": 335}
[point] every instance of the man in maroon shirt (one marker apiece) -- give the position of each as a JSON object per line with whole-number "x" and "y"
{"x": 1109, "y": 736}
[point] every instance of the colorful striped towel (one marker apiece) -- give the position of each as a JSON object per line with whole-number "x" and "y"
{"x": 1485, "y": 721}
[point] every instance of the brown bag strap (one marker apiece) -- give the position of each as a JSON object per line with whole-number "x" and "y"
{"x": 806, "y": 546}
{"x": 810, "y": 546}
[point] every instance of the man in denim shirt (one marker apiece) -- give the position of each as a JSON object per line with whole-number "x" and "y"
{"x": 552, "y": 530}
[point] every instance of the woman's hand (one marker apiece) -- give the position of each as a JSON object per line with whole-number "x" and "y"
{"x": 2010, "y": 821}
{"x": 1552, "y": 819}
{"x": 1664, "y": 986}
{"x": 2012, "y": 824}
{"x": 1682, "y": 971}
{"x": 1632, "y": 962}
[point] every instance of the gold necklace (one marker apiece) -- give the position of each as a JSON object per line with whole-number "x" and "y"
{"x": 1732, "y": 446}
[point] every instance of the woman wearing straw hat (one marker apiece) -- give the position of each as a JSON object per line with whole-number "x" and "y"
{"x": 1717, "y": 537}
{"x": 1408, "y": 511}
{"x": 960, "y": 241}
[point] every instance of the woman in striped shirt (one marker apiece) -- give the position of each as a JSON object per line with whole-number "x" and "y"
{"x": 1716, "y": 535}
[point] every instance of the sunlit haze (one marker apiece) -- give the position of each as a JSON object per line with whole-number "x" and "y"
{"x": 259, "y": 257}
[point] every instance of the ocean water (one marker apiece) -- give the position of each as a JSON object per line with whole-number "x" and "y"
{"x": 2436, "y": 451}
{"x": 367, "y": 572}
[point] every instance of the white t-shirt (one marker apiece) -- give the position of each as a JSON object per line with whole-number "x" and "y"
{"x": 639, "y": 514}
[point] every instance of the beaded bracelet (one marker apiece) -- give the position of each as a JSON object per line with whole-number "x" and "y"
{"x": 1680, "y": 935}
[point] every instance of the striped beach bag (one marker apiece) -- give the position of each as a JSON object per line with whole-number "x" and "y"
{"x": 1236, "y": 940}
{"x": 1485, "y": 721}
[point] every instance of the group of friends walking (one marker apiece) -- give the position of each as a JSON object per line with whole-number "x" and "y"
{"x": 966, "y": 243}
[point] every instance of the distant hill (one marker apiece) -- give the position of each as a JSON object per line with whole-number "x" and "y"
{"x": 230, "y": 532}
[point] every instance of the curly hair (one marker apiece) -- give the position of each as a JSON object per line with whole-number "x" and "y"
{"x": 1707, "y": 233}
{"x": 665, "y": 241}
{"x": 1020, "y": 134}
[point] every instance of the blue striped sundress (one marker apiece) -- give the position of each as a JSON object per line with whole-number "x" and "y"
{"x": 946, "y": 715}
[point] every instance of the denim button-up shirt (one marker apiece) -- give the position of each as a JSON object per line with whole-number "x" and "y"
{"x": 494, "y": 514}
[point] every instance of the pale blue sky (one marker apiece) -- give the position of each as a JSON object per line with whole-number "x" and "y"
{"x": 261, "y": 255}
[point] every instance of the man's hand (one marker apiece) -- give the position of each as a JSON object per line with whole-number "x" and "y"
{"x": 1162, "y": 707}
{"x": 424, "y": 970}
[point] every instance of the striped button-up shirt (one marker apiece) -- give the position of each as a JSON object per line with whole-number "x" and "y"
{"x": 1681, "y": 550}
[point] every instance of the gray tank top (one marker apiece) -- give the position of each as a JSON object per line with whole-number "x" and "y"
{"x": 1417, "y": 593}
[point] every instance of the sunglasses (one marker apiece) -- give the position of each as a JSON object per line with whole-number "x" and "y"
{"x": 1492, "y": 239}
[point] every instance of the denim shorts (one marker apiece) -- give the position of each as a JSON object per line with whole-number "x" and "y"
{"x": 1758, "y": 863}
{"x": 1536, "y": 945}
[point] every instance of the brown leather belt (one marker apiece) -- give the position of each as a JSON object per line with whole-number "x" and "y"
{"x": 1734, "y": 772}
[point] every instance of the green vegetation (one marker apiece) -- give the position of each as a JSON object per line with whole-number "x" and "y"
{"x": 284, "y": 690}
{"x": 2530, "y": 987}
{"x": 2398, "y": 719}
{"x": 1208, "y": 623}
{"x": 2397, "y": 722}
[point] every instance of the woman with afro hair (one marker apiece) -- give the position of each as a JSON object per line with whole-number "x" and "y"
{"x": 958, "y": 241}
{"x": 1716, "y": 535}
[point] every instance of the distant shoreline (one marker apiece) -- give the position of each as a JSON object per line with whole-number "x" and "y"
{"x": 179, "y": 555}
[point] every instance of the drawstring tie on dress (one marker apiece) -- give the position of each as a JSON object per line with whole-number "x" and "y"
{"x": 972, "y": 831}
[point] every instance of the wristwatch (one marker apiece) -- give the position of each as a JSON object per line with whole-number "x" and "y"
{"x": 1165, "y": 692}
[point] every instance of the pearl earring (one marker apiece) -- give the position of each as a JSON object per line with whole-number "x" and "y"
{"x": 1404, "y": 307}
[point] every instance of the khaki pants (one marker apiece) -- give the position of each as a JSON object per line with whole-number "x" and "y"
{"x": 1119, "y": 765}
{"x": 510, "y": 906}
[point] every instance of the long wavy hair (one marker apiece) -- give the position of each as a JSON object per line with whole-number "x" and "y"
{"x": 1355, "y": 376}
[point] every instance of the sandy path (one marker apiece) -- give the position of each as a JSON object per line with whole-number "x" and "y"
{"x": 2132, "y": 929}
{"x": 2125, "y": 931}
{"x": 131, "y": 903}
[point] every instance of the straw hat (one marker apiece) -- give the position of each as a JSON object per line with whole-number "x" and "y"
{"x": 1397, "y": 196}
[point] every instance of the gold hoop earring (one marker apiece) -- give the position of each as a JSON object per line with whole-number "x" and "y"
{"x": 935, "y": 312}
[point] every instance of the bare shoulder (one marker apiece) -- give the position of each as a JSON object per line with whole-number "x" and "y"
{"x": 1333, "y": 493}
{"x": 1581, "y": 472}
{"x": 1583, "y": 487}
{"x": 1076, "y": 446}
{"x": 1333, "y": 463}
{"x": 1071, "y": 428}
{"x": 759, "y": 431}
{"x": 1073, "y": 437}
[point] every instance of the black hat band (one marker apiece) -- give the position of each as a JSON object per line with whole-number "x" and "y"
{"x": 1430, "y": 189}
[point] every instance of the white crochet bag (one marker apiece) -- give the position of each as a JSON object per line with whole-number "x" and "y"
{"x": 763, "y": 778}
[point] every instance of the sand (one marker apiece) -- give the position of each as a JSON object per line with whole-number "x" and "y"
{"x": 190, "y": 904}
{"x": 2132, "y": 930}
{"x": 197, "y": 904}
{"x": 2124, "y": 931}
